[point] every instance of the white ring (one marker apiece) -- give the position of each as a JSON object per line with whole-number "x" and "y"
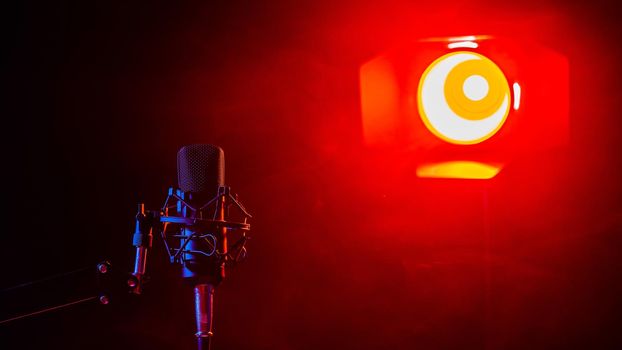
{"x": 442, "y": 118}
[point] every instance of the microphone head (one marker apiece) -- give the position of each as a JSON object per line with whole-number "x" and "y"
{"x": 201, "y": 169}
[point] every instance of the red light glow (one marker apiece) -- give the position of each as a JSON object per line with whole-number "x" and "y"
{"x": 459, "y": 169}
{"x": 471, "y": 116}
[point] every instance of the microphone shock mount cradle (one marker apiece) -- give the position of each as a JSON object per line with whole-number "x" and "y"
{"x": 196, "y": 238}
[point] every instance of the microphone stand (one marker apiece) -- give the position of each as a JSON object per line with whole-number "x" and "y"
{"x": 89, "y": 284}
{"x": 204, "y": 313}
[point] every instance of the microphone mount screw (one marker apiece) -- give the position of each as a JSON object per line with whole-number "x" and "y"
{"x": 103, "y": 267}
{"x": 132, "y": 281}
{"x": 104, "y": 300}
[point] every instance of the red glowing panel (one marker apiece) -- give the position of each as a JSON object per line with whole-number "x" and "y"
{"x": 464, "y": 107}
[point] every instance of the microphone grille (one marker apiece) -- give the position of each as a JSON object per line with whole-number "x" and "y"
{"x": 201, "y": 169}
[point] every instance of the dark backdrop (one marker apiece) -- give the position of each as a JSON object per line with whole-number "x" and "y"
{"x": 346, "y": 253}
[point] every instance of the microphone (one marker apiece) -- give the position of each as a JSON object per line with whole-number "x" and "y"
{"x": 201, "y": 174}
{"x": 194, "y": 223}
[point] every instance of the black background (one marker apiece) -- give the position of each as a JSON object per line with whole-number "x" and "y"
{"x": 99, "y": 95}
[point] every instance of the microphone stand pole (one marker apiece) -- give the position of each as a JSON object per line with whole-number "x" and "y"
{"x": 204, "y": 312}
{"x": 204, "y": 292}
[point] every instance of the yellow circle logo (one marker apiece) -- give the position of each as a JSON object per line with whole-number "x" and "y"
{"x": 463, "y": 98}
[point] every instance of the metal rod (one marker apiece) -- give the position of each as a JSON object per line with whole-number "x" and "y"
{"x": 204, "y": 312}
{"x": 63, "y": 274}
{"x": 48, "y": 309}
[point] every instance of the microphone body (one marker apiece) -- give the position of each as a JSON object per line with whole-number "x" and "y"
{"x": 197, "y": 267}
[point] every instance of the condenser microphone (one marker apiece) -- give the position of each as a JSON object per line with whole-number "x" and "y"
{"x": 193, "y": 223}
{"x": 201, "y": 173}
